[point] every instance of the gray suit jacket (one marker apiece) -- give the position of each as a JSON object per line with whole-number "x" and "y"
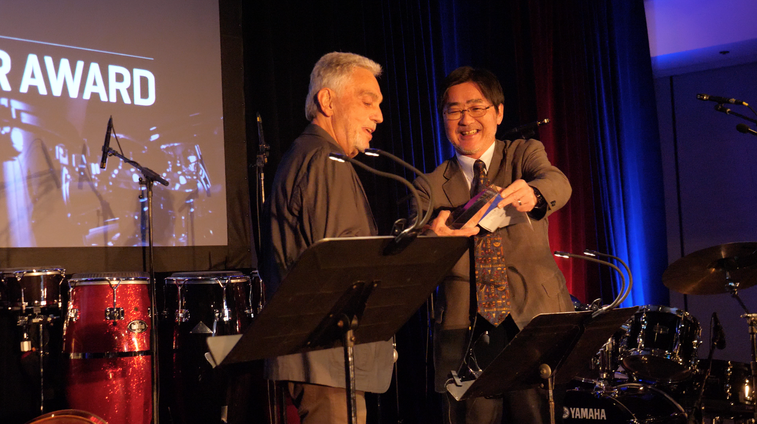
{"x": 536, "y": 283}
{"x": 315, "y": 198}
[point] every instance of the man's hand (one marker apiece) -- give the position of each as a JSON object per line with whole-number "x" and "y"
{"x": 520, "y": 195}
{"x": 439, "y": 226}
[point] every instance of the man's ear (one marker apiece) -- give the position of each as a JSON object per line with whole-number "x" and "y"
{"x": 500, "y": 113}
{"x": 325, "y": 97}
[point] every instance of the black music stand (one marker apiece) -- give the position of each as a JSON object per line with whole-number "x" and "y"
{"x": 343, "y": 292}
{"x": 564, "y": 342}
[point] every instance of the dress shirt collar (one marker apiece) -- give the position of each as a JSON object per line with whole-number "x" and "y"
{"x": 466, "y": 163}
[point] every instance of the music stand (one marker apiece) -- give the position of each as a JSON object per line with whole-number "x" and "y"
{"x": 564, "y": 342}
{"x": 343, "y": 292}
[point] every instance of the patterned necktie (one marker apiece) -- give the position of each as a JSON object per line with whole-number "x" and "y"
{"x": 492, "y": 290}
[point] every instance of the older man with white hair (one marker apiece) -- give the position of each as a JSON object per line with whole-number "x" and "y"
{"x": 315, "y": 198}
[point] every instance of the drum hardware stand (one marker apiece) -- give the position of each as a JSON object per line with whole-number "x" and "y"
{"x": 604, "y": 383}
{"x": 751, "y": 319}
{"x": 697, "y": 409}
{"x": 148, "y": 179}
{"x": 25, "y": 322}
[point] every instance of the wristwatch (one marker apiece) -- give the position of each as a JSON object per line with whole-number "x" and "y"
{"x": 540, "y": 202}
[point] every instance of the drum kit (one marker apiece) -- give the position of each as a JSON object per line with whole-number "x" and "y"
{"x": 649, "y": 371}
{"x": 103, "y": 321}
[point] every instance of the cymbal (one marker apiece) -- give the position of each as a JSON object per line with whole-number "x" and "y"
{"x": 705, "y": 271}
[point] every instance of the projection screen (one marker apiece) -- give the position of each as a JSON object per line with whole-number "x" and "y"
{"x": 154, "y": 69}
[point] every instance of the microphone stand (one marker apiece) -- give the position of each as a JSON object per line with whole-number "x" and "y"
{"x": 275, "y": 395}
{"x": 409, "y": 234}
{"x": 149, "y": 177}
{"x": 589, "y": 252}
{"x": 527, "y": 130}
{"x": 603, "y": 383}
{"x": 421, "y": 175}
{"x": 623, "y": 292}
{"x": 260, "y": 162}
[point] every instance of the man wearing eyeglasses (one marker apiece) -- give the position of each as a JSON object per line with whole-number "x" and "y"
{"x": 514, "y": 276}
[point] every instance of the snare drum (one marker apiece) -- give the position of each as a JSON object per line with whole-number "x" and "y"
{"x": 626, "y": 403}
{"x": 68, "y": 416}
{"x": 661, "y": 344}
{"x": 201, "y": 305}
{"x": 107, "y": 340}
{"x": 32, "y": 288}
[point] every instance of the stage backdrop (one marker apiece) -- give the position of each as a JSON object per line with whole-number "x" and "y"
{"x": 583, "y": 64}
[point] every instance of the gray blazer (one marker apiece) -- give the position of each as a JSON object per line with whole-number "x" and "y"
{"x": 536, "y": 283}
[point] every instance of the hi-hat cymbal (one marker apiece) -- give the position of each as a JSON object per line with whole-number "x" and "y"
{"x": 706, "y": 271}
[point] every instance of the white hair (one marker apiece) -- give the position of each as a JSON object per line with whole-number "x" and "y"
{"x": 332, "y": 71}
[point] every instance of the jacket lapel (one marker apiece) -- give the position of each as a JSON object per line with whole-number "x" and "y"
{"x": 500, "y": 169}
{"x": 455, "y": 187}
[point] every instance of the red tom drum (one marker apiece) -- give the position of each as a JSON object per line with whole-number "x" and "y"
{"x": 107, "y": 341}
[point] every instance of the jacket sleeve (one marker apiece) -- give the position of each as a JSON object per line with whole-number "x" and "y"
{"x": 539, "y": 173}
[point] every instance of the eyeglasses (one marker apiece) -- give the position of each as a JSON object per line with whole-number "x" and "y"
{"x": 474, "y": 111}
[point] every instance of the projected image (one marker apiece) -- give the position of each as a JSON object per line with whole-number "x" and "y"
{"x": 156, "y": 70}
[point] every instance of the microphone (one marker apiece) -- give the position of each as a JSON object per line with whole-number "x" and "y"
{"x": 623, "y": 290}
{"x": 718, "y": 99}
{"x": 743, "y": 128}
{"x": 718, "y": 334}
{"x": 262, "y": 147}
{"x": 720, "y": 108}
{"x": 106, "y": 144}
{"x": 419, "y": 222}
{"x": 405, "y": 237}
{"x": 531, "y": 126}
{"x": 590, "y": 252}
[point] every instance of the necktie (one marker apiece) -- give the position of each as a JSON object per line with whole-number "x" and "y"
{"x": 492, "y": 291}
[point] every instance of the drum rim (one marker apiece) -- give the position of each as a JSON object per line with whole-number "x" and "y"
{"x": 106, "y": 282}
{"x": 121, "y": 275}
{"x": 206, "y": 280}
{"x": 93, "y": 418}
{"x": 661, "y": 392}
{"x": 33, "y": 272}
{"x": 666, "y": 309}
{"x": 685, "y": 372}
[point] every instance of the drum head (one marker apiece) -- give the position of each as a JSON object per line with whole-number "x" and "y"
{"x": 68, "y": 416}
{"x": 206, "y": 277}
